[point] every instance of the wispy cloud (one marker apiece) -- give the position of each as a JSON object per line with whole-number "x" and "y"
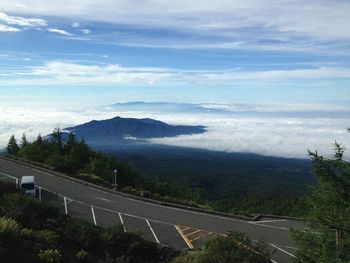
{"x": 5, "y": 28}
{"x": 75, "y": 25}
{"x": 58, "y": 72}
{"x": 274, "y": 24}
{"x": 60, "y": 31}
{"x": 21, "y": 21}
{"x": 86, "y": 31}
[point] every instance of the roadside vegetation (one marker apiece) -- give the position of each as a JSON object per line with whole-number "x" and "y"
{"x": 327, "y": 237}
{"x": 66, "y": 154}
{"x": 33, "y": 231}
{"x": 235, "y": 247}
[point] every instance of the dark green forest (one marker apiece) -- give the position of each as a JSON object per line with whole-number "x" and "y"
{"x": 235, "y": 183}
{"x": 231, "y": 182}
{"x": 75, "y": 158}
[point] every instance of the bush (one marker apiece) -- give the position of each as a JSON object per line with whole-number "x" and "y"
{"x": 30, "y": 212}
{"x": 47, "y": 237}
{"x": 83, "y": 233}
{"x": 82, "y": 256}
{"x": 92, "y": 179}
{"x": 235, "y": 248}
{"x": 9, "y": 228}
{"x": 50, "y": 256}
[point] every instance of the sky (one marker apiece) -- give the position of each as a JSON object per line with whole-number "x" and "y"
{"x": 70, "y": 55}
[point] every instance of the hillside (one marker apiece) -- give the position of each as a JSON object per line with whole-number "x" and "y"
{"x": 123, "y": 130}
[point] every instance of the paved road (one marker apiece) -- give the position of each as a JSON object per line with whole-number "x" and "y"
{"x": 165, "y": 225}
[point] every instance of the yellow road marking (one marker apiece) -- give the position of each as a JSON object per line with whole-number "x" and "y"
{"x": 187, "y": 241}
{"x": 196, "y": 238}
{"x": 194, "y": 232}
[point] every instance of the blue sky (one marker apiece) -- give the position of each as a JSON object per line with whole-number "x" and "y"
{"x": 64, "y": 54}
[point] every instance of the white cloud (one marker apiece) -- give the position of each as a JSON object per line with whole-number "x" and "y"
{"x": 4, "y": 28}
{"x": 58, "y": 72}
{"x": 86, "y": 31}
{"x": 21, "y": 21}
{"x": 59, "y": 31}
{"x": 75, "y": 25}
{"x": 287, "y": 137}
{"x": 233, "y": 23}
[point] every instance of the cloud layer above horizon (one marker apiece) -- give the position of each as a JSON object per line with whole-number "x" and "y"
{"x": 228, "y": 131}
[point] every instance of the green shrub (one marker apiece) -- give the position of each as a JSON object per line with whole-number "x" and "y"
{"x": 9, "y": 228}
{"x": 234, "y": 248}
{"x": 92, "y": 179}
{"x": 47, "y": 237}
{"x": 82, "y": 256}
{"x": 50, "y": 256}
{"x": 30, "y": 212}
{"x": 83, "y": 233}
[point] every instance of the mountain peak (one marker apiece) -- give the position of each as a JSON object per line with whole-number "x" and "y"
{"x": 116, "y": 129}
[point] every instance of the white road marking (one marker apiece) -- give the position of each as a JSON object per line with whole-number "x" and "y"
{"x": 103, "y": 199}
{"x": 13, "y": 177}
{"x": 93, "y": 215}
{"x": 154, "y": 234}
{"x": 275, "y": 227}
{"x": 268, "y": 221}
{"x": 121, "y": 220}
{"x": 290, "y": 254}
{"x": 65, "y": 205}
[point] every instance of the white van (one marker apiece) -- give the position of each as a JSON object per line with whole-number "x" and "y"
{"x": 27, "y": 185}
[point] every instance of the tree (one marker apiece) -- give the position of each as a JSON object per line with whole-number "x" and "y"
{"x": 12, "y": 146}
{"x": 327, "y": 238}
{"x": 39, "y": 139}
{"x": 57, "y": 140}
{"x": 24, "y": 141}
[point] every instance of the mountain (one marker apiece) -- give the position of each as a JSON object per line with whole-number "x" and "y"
{"x": 159, "y": 107}
{"x": 123, "y": 130}
{"x": 235, "y": 109}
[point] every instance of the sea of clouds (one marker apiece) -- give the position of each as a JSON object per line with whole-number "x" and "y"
{"x": 231, "y": 130}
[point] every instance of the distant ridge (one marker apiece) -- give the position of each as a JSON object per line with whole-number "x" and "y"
{"x": 119, "y": 129}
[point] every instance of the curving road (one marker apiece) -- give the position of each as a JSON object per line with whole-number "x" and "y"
{"x": 169, "y": 226}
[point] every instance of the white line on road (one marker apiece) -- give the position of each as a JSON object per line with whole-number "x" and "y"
{"x": 268, "y": 221}
{"x": 275, "y": 227}
{"x": 290, "y": 254}
{"x": 93, "y": 215}
{"x": 13, "y": 177}
{"x": 103, "y": 199}
{"x": 154, "y": 234}
{"x": 65, "y": 205}
{"x": 121, "y": 220}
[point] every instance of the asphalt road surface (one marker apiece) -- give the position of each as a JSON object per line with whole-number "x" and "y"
{"x": 174, "y": 227}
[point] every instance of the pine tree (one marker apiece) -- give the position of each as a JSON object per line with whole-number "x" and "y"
{"x": 24, "y": 141}
{"x": 12, "y": 146}
{"x": 57, "y": 140}
{"x": 39, "y": 139}
{"x": 327, "y": 238}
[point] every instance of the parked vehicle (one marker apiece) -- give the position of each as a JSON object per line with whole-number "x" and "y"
{"x": 27, "y": 185}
